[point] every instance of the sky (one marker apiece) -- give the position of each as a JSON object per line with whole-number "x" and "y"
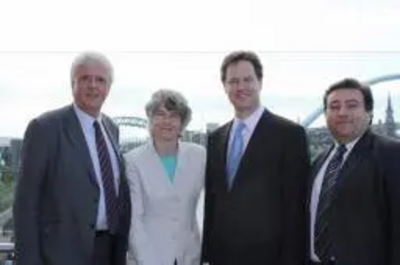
{"x": 304, "y": 45}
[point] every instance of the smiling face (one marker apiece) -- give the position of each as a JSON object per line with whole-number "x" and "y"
{"x": 242, "y": 87}
{"x": 165, "y": 125}
{"x": 346, "y": 115}
{"x": 90, "y": 86}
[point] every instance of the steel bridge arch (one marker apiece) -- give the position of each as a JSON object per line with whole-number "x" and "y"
{"x": 315, "y": 114}
{"x": 131, "y": 121}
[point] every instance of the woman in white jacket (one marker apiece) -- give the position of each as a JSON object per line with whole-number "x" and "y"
{"x": 166, "y": 177}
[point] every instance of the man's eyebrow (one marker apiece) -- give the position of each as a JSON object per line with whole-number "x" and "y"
{"x": 352, "y": 100}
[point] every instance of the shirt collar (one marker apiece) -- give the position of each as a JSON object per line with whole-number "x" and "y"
{"x": 250, "y": 121}
{"x": 349, "y": 145}
{"x": 85, "y": 119}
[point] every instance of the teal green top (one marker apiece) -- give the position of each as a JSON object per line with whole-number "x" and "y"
{"x": 169, "y": 163}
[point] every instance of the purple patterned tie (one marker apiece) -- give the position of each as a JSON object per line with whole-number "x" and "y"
{"x": 107, "y": 177}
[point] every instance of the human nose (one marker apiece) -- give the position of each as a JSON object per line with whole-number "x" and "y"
{"x": 240, "y": 85}
{"x": 92, "y": 82}
{"x": 165, "y": 119}
{"x": 244, "y": 83}
{"x": 343, "y": 111}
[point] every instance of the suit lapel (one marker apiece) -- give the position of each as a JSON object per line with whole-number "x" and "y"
{"x": 179, "y": 178}
{"x": 113, "y": 138}
{"x": 223, "y": 141}
{"x": 179, "y": 170}
{"x": 262, "y": 137}
{"x": 316, "y": 167}
{"x": 255, "y": 140}
{"x": 354, "y": 159}
{"x": 159, "y": 173}
{"x": 319, "y": 162}
{"x": 73, "y": 131}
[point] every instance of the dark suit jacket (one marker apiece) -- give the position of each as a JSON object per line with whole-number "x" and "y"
{"x": 364, "y": 216}
{"x": 260, "y": 219}
{"x": 56, "y": 200}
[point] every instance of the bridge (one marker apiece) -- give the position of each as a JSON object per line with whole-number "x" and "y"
{"x": 133, "y": 131}
{"x": 315, "y": 114}
{"x": 131, "y": 121}
{"x": 141, "y": 123}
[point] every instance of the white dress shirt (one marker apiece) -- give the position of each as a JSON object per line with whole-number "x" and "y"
{"x": 86, "y": 121}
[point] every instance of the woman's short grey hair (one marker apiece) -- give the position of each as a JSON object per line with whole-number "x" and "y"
{"x": 173, "y": 101}
{"x": 90, "y": 58}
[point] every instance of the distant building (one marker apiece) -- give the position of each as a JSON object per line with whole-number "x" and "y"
{"x": 197, "y": 137}
{"x": 320, "y": 138}
{"x": 10, "y": 149}
{"x": 16, "y": 145}
{"x": 5, "y": 141}
{"x": 390, "y": 125}
{"x": 210, "y": 127}
{"x": 4, "y": 149}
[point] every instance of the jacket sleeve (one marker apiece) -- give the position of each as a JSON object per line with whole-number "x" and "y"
{"x": 389, "y": 158}
{"x": 208, "y": 206}
{"x": 35, "y": 159}
{"x": 296, "y": 166}
{"x": 141, "y": 250}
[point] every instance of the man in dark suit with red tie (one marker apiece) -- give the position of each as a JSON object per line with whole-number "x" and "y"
{"x": 72, "y": 203}
{"x": 257, "y": 166}
{"x": 354, "y": 195}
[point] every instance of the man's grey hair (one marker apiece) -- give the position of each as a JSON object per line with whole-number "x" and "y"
{"x": 89, "y": 58}
{"x": 173, "y": 101}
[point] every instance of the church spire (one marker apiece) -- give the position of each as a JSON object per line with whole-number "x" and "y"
{"x": 390, "y": 124}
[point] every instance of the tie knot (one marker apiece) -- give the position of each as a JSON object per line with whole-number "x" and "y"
{"x": 96, "y": 125}
{"x": 342, "y": 149}
{"x": 240, "y": 126}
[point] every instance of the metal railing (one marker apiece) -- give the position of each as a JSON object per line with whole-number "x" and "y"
{"x": 7, "y": 251}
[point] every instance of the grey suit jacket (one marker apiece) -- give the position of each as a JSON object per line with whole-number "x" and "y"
{"x": 57, "y": 195}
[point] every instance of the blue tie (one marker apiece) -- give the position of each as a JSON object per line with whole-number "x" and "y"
{"x": 235, "y": 153}
{"x": 107, "y": 177}
{"x": 322, "y": 237}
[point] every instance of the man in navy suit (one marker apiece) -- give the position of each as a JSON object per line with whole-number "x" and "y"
{"x": 354, "y": 195}
{"x": 72, "y": 203}
{"x": 257, "y": 165}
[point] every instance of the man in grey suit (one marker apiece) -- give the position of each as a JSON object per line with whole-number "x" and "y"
{"x": 72, "y": 201}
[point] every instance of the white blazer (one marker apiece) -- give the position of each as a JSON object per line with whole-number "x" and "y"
{"x": 164, "y": 224}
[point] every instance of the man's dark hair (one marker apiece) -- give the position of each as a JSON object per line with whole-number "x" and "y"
{"x": 237, "y": 56}
{"x": 351, "y": 83}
